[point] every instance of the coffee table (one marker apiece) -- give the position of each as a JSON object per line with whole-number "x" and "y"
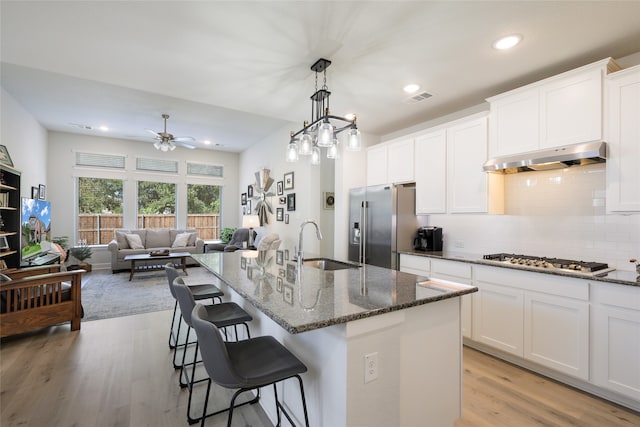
{"x": 161, "y": 262}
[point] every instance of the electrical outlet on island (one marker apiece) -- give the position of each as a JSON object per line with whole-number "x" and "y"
{"x": 370, "y": 367}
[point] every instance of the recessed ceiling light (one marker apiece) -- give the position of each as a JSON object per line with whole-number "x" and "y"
{"x": 104, "y": 128}
{"x": 411, "y": 88}
{"x": 207, "y": 142}
{"x": 349, "y": 116}
{"x": 507, "y": 42}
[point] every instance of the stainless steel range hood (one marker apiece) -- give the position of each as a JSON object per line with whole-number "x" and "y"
{"x": 553, "y": 158}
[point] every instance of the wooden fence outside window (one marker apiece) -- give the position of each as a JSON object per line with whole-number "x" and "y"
{"x": 98, "y": 229}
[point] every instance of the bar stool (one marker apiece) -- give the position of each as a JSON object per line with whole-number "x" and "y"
{"x": 199, "y": 291}
{"x": 223, "y": 315}
{"x": 245, "y": 365}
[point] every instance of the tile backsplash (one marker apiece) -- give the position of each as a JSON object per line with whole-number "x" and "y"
{"x": 558, "y": 213}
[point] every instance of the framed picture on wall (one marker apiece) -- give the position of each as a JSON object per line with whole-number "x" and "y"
{"x": 42, "y": 191}
{"x": 291, "y": 201}
{"x": 288, "y": 181}
{"x": 329, "y": 199}
{"x": 4, "y": 156}
{"x": 243, "y": 199}
{"x": 279, "y": 214}
{"x": 250, "y": 191}
{"x": 280, "y": 188}
{"x": 286, "y": 218}
{"x": 34, "y": 193}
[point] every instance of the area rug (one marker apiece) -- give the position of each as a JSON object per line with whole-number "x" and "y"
{"x": 106, "y": 295}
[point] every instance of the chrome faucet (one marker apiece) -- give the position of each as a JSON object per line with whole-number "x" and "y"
{"x": 300, "y": 250}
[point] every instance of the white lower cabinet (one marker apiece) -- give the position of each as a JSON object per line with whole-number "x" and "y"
{"x": 616, "y": 338}
{"x": 556, "y": 333}
{"x": 541, "y": 318}
{"x": 459, "y": 272}
{"x": 498, "y": 317}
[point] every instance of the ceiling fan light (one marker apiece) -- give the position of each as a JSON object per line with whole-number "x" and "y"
{"x": 157, "y": 145}
{"x": 172, "y": 146}
{"x": 354, "y": 140}
{"x": 325, "y": 134}
{"x": 306, "y": 144}
{"x": 315, "y": 156}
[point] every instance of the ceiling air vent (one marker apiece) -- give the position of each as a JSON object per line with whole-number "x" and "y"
{"x": 418, "y": 97}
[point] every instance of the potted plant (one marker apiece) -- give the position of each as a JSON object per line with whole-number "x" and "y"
{"x": 226, "y": 234}
{"x": 81, "y": 253}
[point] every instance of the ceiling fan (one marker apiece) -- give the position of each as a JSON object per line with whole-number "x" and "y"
{"x": 167, "y": 142}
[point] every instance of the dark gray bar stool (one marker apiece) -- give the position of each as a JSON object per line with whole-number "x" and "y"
{"x": 245, "y": 365}
{"x": 222, "y": 315}
{"x": 200, "y": 292}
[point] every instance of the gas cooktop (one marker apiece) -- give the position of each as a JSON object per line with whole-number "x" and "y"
{"x": 571, "y": 266}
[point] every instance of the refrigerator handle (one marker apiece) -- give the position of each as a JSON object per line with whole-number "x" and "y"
{"x": 363, "y": 231}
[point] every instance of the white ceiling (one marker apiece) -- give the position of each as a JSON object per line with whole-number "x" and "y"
{"x": 235, "y": 72}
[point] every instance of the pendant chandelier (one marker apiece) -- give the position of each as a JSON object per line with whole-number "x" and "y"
{"x": 321, "y": 132}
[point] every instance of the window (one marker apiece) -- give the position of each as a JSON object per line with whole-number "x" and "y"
{"x": 203, "y": 210}
{"x": 156, "y": 204}
{"x": 99, "y": 209}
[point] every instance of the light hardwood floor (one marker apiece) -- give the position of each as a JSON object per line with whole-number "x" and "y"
{"x": 117, "y": 372}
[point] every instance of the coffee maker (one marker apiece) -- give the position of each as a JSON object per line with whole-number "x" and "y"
{"x": 428, "y": 239}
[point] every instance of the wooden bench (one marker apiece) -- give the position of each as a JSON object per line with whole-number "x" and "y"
{"x": 38, "y": 297}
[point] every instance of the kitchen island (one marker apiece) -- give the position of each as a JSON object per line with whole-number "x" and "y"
{"x": 407, "y": 325}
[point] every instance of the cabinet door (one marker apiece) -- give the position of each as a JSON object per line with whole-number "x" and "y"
{"x": 616, "y": 338}
{"x": 623, "y": 136}
{"x": 377, "y": 165}
{"x": 400, "y": 161}
{"x": 514, "y": 123}
{"x": 556, "y": 333}
{"x": 571, "y": 110}
{"x": 430, "y": 172}
{"x": 498, "y": 318}
{"x": 466, "y": 153}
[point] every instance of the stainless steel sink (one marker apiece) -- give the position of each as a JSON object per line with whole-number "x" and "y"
{"x": 328, "y": 264}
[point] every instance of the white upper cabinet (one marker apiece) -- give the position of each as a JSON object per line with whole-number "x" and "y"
{"x": 377, "y": 165}
{"x": 469, "y": 188}
{"x": 390, "y": 162}
{"x": 561, "y": 110}
{"x": 514, "y": 126}
{"x": 571, "y": 109}
{"x": 431, "y": 172}
{"x": 623, "y": 137}
{"x": 400, "y": 162}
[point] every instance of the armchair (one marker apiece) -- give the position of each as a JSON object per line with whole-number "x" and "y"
{"x": 239, "y": 236}
{"x": 33, "y": 298}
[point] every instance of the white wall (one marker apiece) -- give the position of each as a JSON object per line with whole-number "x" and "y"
{"x": 26, "y": 141}
{"x": 310, "y": 182}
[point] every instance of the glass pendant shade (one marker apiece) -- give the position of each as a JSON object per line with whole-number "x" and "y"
{"x": 332, "y": 152}
{"x": 325, "y": 134}
{"x": 354, "y": 141}
{"x": 306, "y": 144}
{"x": 157, "y": 145}
{"x": 292, "y": 152}
{"x": 315, "y": 156}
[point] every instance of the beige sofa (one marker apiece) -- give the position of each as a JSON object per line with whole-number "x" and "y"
{"x": 152, "y": 240}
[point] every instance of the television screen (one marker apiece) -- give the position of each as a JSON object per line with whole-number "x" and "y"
{"x": 36, "y": 227}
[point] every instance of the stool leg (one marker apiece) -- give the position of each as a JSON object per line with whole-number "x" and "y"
{"x": 275, "y": 395}
{"x": 175, "y": 350}
{"x": 304, "y": 401}
{"x": 206, "y": 401}
{"x": 173, "y": 321}
{"x": 184, "y": 354}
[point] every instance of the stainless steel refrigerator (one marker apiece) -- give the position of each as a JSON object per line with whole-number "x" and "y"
{"x": 382, "y": 221}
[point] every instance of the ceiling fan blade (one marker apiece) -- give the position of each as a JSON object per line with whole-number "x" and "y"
{"x": 182, "y": 144}
{"x": 184, "y": 139}
{"x": 153, "y": 132}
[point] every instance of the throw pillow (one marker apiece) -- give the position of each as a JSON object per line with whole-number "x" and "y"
{"x": 134, "y": 240}
{"x": 181, "y": 240}
{"x": 192, "y": 239}
{"x": 121, "y": 238}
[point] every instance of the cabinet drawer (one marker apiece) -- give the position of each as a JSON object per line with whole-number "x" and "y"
{"x": 417, "y": 263}
{"x": 531, "y": 281}
{"x": 451, "y": 268}
{"x": 616, "y": 295}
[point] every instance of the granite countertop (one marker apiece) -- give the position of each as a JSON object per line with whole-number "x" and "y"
{"x": 317, "y": 298}
{"x": 620, "y": 277}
